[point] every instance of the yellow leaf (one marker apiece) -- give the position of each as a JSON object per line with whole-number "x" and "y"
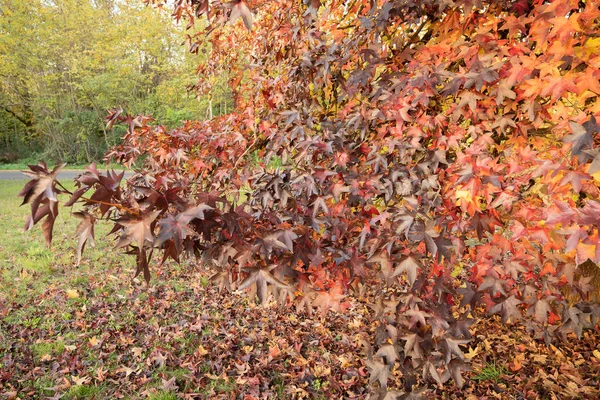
{"x": 138, "y": 352}
{"x": 596, "y": 354}
{"x": 540, "y": 358}
{"x": 94, "y": 341}
{"x": 72, "y": 293}
{"x": 321, "y": 371}
{"x": 355, "y": 324}
{"x": 472, "y": 352}
{"x": 463, "y": 194}
{"x": 591, "y": 47}
{"x": 345, "y": 362}
{"x": 202, "y": 351}
{"x": 78, "y": 380}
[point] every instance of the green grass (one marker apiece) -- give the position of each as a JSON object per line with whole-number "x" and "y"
{"x": 28, "y": 267}
{"x": 43, "y": 386}
{"x": 83, "y": 392}
{"x": 221, "y": 386}
{"x": 22, "y": 165}
{"x": 163, "y": 396}
{"x": 42, "y": 349}
{"x": 491, "y": 372}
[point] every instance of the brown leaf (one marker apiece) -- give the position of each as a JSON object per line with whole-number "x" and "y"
{"x": 43, "y": 184}
{"x": 411, "y": 266}
{"x": 379, "y": 372}
{"x": 85, "y": 231}
{"x": 240, "y": 9}
{"x": 137, "y": 230}
{"x": 261, "y": 277}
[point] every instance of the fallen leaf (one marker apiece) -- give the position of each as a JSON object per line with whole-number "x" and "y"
{"x": 202, "y": 351}
{"x": 472, "y": 352}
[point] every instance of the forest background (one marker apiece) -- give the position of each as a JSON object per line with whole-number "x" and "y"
{"x": 65, "y": 63}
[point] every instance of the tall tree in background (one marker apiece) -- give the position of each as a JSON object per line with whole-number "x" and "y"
{"x": 64, "y": 63}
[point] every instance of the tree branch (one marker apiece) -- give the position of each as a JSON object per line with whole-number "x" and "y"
{"x": 25, "y": 122}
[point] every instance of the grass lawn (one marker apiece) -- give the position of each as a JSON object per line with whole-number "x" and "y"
{"x": 22, "y": 165}
{"x": 90, "y": 332}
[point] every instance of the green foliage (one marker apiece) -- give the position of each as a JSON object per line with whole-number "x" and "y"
{"x": 83, "y": 392}
{"x": 491, "y": 372}
{"x": 94, "y": 56}
{"x": 53, "y": 348}
{"x": 163, "y": 396}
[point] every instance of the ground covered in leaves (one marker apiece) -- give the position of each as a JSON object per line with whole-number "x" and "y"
{"x": 90, "y": 332}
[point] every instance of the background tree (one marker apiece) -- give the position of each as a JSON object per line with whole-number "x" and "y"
{"x": 64, "y": 63}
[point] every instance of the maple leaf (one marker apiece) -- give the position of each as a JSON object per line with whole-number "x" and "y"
{"x": 176, "y": 227}
{"x": 222, "y": 279}
{"x": 114, "y": 115}
{"x": 261, "y": 277}
{"x": 595, "y": 164}
{"x": 430, "y": 370}
{"x": 582, "y": 137}
{"x": 540, "y": 310}
{"x": 85, "y": 231}
{"x": 170, "y": 384}
{"x": 49, "y": 210}
{"x": 43, "y": 184}
{"x": 41, "y": 191}
{"x": 107, "y": 188}
{"x": 412, "y": 347}
{"x": 504, "y": 91}
{"x": 411, "y": 266}
{"x": 508, "y": 309}
{"x": 455, "y": 367}
{"x": 356, "y": 263}
{"x": 330, "y": 300}
{"x": 388, "y": 353}
{"x": 137, "y": 230}
{"x": 132, "y": 123}
{"x": 470, "y": 99}
{"x": 493, "y": 283}
{"x": 287, "y": 237}
{"x": 142, "y": 262}
{"x": 451, "y": 347}
{"x": 380, "y": 372}
{"x": 240, "y": 9}
{"x": 381, "y": 306}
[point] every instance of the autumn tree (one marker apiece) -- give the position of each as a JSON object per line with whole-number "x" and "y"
{"x": 440, "y": 156}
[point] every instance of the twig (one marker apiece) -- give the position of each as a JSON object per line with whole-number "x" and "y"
{"x": 245, "y": 152}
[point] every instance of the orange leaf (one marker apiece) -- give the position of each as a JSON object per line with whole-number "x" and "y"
{"x": 548, "y": 269}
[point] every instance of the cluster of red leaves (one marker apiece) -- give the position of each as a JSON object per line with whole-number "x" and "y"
{"x": 383, "y": 144}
